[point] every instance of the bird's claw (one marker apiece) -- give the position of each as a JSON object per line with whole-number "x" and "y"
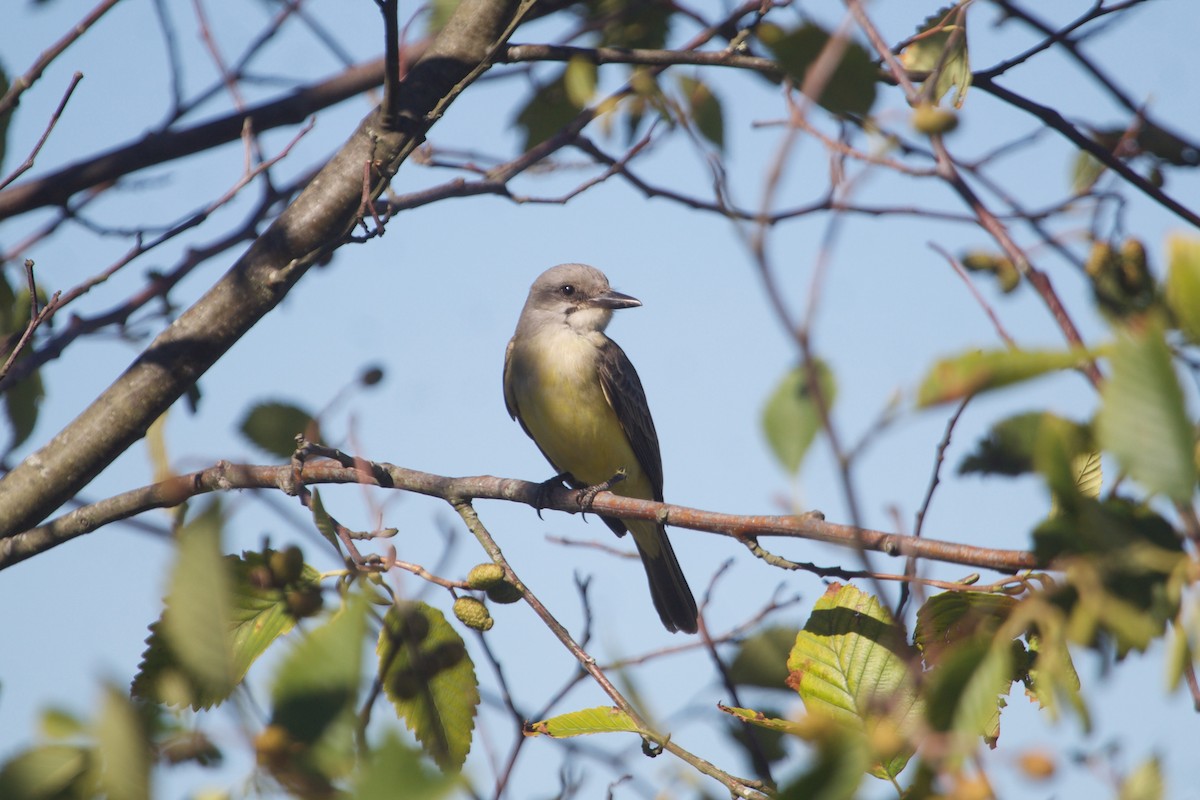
{"x": 588, "y": 494}
{"x": 559, "y": 481}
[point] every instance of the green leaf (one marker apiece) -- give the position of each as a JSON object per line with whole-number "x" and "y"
{"x": 1142, "y": 420}
{"x": 630, "y": 23}
{"x": 547, "y": 112}
{"x": 967, "y": 687}
{"x": 258, "y": 616}
{"x": 1144, "y": 783}
{"x": 51, "y": 772}
{"x": 602, "y": 719}
{"x": 392, "y": 764}
{"x": 837, "y": 762}
{"x": 941, "y": 44}
{"x": 273, "y": 427}
{"x": 952, "y": 617}
{"x": 1052, "y": 677}
{"x": 124, "y": 748}
{"x": 791, "y": 418}
{"x": 430, "y": 679}
{"x": 319, "y": 678}
{"x": 58, "y": 723}
{"x": 1012, "y": 446}
{"x": 849, "y": 665}
{"x": 704, "y": 109}
{"x": 1183, "y": 284}
{"x": 1086, "y": 169}
{"x": 21, "y": 404}
{"x": 198, "y": 608}
{"x": 1118, "y": 558}
{"x": 323, "y": 521}
{"x": 851, "y": 87}
{"x": 762, "y": 659}
{"x": 969, "y": 374}
{"x": 440, "y": 12}
{"x": 579, "y": 81}
{"x": 757, "y": 718}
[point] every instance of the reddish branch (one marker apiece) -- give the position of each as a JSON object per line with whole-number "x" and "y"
{"x": 225, "y": 477}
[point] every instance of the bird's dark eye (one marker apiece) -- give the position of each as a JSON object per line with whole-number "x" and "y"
{"x": 567, "y": 290}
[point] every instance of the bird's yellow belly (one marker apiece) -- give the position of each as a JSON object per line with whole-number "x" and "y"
{"x": 569, "y": 417}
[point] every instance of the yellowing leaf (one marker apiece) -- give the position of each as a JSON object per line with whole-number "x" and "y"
{"x": 971, "y": 373}
{"x": 940, "y": 47}
{"x": 603, "y": 719}
{"x": 1183, "y": 284}
{"x": 850, "y": 665}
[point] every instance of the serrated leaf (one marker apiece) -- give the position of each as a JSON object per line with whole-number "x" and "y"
{"x": 851, "y": 87}
{"x": 952, "y": 617}
{"x": 430, "y": 679}
{"x": 195, "y": 621}
{"x": 954, "y": 378}
{"x": 273, "y": 427}
{"x": 1142, "y": 420}
{"x": 941, "y": 45}
{"x": 49, "y": 772}
{"x": 124, "y": 749}
{"x": 547, "y": 112}
{"x": 839, "y": 759}
{"x": 258, "y": 616}
{"x": 1144, "y": 783}
{"x": 603, "y": 719}
{"x": 1052, "y": 677}
{"x": 704, "y": 109}
{"x": 318, "y": 679}
{"x": 1183, "y": 284}
{"x": 966, "y": 689}
{"x": 791, "y": 418}
{"x": 1012, "y": 446}
{"x": 761, "y": 660}
{"x": 849, "y": 665}
{"x": 393, "y": 764}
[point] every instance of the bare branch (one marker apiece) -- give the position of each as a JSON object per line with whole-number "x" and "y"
{"x": 225, "y": 477}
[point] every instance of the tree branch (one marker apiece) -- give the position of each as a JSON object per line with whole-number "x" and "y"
{"x": 312, "y": 226}
{"x": 225, "y": 477}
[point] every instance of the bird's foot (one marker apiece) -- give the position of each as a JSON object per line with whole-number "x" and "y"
{"x": 588, "y": 494}
{"x": 559, "y": 481}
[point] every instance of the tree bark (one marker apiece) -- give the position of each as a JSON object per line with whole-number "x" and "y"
{"x": 312, "y": 226}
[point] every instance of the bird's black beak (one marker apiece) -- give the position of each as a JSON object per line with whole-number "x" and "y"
{"x": 615, "y": 300}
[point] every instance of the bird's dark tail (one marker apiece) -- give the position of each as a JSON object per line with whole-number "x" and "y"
{"x": 668, "y": 588}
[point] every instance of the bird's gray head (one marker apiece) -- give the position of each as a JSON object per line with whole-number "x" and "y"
{"x": 575, "y": 295}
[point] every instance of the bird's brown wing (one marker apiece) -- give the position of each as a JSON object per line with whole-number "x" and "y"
{"x": 624, "y": 392}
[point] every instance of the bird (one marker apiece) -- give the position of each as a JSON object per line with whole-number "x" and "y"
{"x": 576, "y": 394}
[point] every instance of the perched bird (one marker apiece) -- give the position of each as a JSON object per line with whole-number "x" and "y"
{"x": 579, "y": 398}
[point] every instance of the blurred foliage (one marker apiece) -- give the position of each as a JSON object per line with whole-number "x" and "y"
{"x": 866, "y": 697}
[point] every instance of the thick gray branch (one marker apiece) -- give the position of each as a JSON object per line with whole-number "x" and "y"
{"x": 314, "y": 224}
